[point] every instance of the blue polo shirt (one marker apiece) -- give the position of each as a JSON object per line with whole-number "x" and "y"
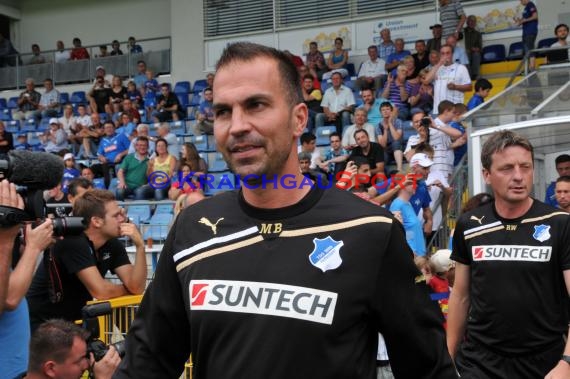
{"x": 397, "y": 57}
{"x": 109, "y": 147}
{"x": 412, "y": 226}
{"x": 421, "y": 198}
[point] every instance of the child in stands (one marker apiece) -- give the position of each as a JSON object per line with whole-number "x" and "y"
{"x": 482, "y": 89}
{"x": 459, "y": 146}
{"x": 151, "y": 88}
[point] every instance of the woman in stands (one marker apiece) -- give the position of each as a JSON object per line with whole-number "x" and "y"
{"x": 99, "y": 97}
{"x": 187, "y": 183}
{"x": 160, "y": 169}
{"x": 117, "y": 94}
{"x": 191, "y": 157}
{"x": 337, "y": 60}
{"x": 422, "y": 99}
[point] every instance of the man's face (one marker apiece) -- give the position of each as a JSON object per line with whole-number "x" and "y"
{"x": 385, "y": 35}
{"x": 420, "y": 47}
{"x": 164, "y": 90}
{"x": 373, "y": 53}
{"x": 304, "y": 165}
{"x": 562, "y": 191}
{"x": 367, "y": 97}
{"x": 35, "y": 50}
{"x": 335, "y": 143}
{"x": 143, "y": 132}
{"x": 114, "y": 217}
{"x": 141, "y": 67}
{"x": 29, "y": 86}
{"x": 310, "y": 146}
{"x": 362, "y": 140}
{"x": 88, "y": 174}
{"x": 359, "y": 118}
{"x": 313, "y": 47}
{"x": 386, "y": 112}
{"x": 255, "y": 125}
{"x": 210, "y": 80}
{"x": 48, "y": 85}
{"x": 436, "y": 32}
{"x": 446, "y": 55}
{"x": 399, "y": 43}
{"x": 416, "y": 120}
{"x": 563, "y": 169}
{"x": 95, "y": 119}
{"x": 127, "y": 105}
{"x": 142, "y": 147}
{"x": 336, "y": 80}
{"x": 423, "y": 172}
{"x": 433, "y": 58}
{"x": 364, "y": 169}
{"x": 208, "y": 95}
{"x": 510, "y": 175}
{"x": 109, "y": 129}
{"x": 307, "y": 84}
{"x": 562, "y": 33}
{"x": 74, "y": 364}
{"x": 471, "y": 22}
{"x": 59, "y": 45}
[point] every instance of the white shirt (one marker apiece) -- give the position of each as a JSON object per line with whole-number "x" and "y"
{"x": 84, "y": 120}
{"x": 348, "y": 134}
{"x": 336, "y": 102}
{"x": 315, "y": 157}
{"x": 442, "y": 151}
{"x": 62, "y": 56}
{"x": 372, "y": 69}
{"x": 454, "y": 73}
{"x": 435, "y": 192}
{"x": 412, "y": 141}
{"x": 67, "y": 123}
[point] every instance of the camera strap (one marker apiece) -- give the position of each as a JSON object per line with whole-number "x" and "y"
{"x": 55, "y": 287}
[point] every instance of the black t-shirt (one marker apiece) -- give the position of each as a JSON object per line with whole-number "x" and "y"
{"x": 72, "y": 255}
{"x": 117, "y": 97}
{"x": 375, "y": 155}
{"x": 101, "y": 97}
{"x": 6, "y": 136}
{"x": 517, "y": 291}
{"x": 171, "y": 100}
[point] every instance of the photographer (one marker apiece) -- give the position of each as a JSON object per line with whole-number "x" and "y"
{"x": 16, "y": 271}
{"x": 58, "y": 350}
{"x": 75, "y": 273}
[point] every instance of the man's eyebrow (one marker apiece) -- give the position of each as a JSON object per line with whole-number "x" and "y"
{"x": 247, "y": 100}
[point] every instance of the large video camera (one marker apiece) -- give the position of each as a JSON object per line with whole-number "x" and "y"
{"x": 35, "y": 172}
{"x": 91, "y": 324}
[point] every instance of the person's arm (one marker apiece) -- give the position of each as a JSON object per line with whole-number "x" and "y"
{"x": 460, "y": 87}
{"x": 391, "y": 64}
{"x": 37, "y": 240}
{"x": 383, "y": 138}
{"x": 459, "y": 302}
{"x": 97, "y": 286}
{"x": 449, "y": 130}
{"x": 105, "y": 368}
{"x": 121, "y": 184}
{"x": 133, "y": 276}
{"x": 395, "y": 132}
{"x": 172, "y": 167}
{"x": 428, "y": 220}
{"x": 562, "y": 369}
{"x": 378, "y": 169}
{"x": 431, "y": 74}
{"x": 385, "y": 197}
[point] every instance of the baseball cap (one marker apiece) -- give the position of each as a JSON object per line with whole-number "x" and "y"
{"x": 435, "y": 26}
{"x": 421, "y": 159}
{"x": 441, "y": 260}
{"x": 22, "y": 135}
{"x": 99, "y": 68}
{"x": 53, "y": 120}
{"x": 67, "y": 156}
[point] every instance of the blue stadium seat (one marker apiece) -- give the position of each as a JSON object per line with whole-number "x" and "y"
{"x": 324, "y": 85}
{"x": 29, "y": 125}
{"x": 351, "y": 70}
{"x": 158, "y": 226}
{"x": 182, "y": 87}
{"x": 199, "y": 85}
{"x": 350, "y": 83}
{"x": 178, "y": 127}
{"x": 323, "y": 133}
{"x": 13, "y": 103}
{"x": 12, "y": 126}
{"x": 5, "y": 114}
{"x": 201, "y": 143}
{"x": 141, "y": 212}
{"x": 217, "y": 164}
{"x": 164, "y": 208}
{"x": 183, "y": 99}
{"x": 44, "y": 125}
{"x": 99, "y": 183}
{"x": 493, "y": 53}
{"x": 195, "y": 100}
{"x": 113, "y": 185}
{"x": 63, "y": 98}
{"x": 219, "y": 182}
{"x": 3, "y": 103}
{"x": 78, "y": 97}
{"x": 516, "y": 51}
{"x": 191, "y": 113}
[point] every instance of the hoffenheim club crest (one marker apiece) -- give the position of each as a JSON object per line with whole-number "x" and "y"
{"x": 541, "y": 232}
{"x": 326, "y": 254}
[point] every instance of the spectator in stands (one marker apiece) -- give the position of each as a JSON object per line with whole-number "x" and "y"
{"x": 482, "y": 89}
{"x": 49, "y": 105}
{"x": 360, "y": 118}
{"x": 434, "y": 43}
{"x": 22, "y": 143}
{"x": 411, "y": 75}
{"x": 391, "y": 134}
{"x": 117, "y": 94}
{"x": 134, "y": 48}
{"x": 420, "y": 164}
{"x": 205, "y": 115}
{"x": 335, "y": 158}
{"x": 562, "y": 191}
{"x": 396, "y": 91}
{"x": 78, "y": 52}
{"x": 6, "y": 139}
{"x": 303, "y": 71}
{"x": 337, "y": 60}
{"x": 338, "y": 103}
{"x": 315, "y": 176}
{"x": 163, "y": 162}
{"x": 37, "y": 57}
{"x": 309, "y": 145}
{"x": 55, "y": 139}
{"x": 434, "y": 58}
{"x": 58, "y": 350}
{"x": 56, "y": 196}
{"x": 451, "y": 80}
{"x": 112, "y": 149}
{"x": 441, "y": 137}
{"x": 142, "y": 131}
{"x": 372, "y": 151}
{"x": 91, "y": 135}
{"x": 116, "y": 48}
{"x": 100, "y": 71}
{"x": 103, "y": 52}
{"x": 312, "y": 97}
{"x": 396, "y": 57}
{"x": 386, "y": 47}
{"x": 76, "y": 188}
{"x": 473, "y": 46}
{"x": 562, "y": 164}
{"x": 529, "y": 23}
{"x": 8, "y": 54}
{"x": 452, "y": 18}
{"x": 99, "y": 97}
{"x": 150, "y": 92}
{"x": 18, "y": 263}
{"x": 128, "y": 108}
{"x": 412, "y": 225}
{"x": 28, "y": 103}
{"x": 187, "y": 186}
{"x": 134, "y": 95}
{"x": 372, "y": 73}
{"x": 191, "y": 157}
{"x": 421, "y": 56}
{"x": 61, "y": 55}
{"x": 141, "y": 77}
{"x": 70, "y": 172}
{"x": 87, "y": 173}
{"x": 132, "y": 173}
{"x": 167, "y": 106}
{"x": 561, "y": 33}
{"x": 422, "y": 99}
{"x": 421, "y": 138}
{"x": 96, "y": 251}
{"x": 69, "y": 125}
{"x": 316, "y": 61}
{"x": 459, "y": 54}
{"x": 295, "y": 59}
{"x": 210, "y": 83}
{"x": 126, "y": 125}
{"x": 459, "y": 145}
{"x": 372, "y": 106}
{"x": 171, "y": 139}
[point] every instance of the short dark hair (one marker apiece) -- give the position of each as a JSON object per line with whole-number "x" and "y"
{"x": 287, "y": 72}
{"x": 52, "y": 341}
{"x": 48, "y": 80}
{"x": 92, "y": 204}
{"x": 78, "y": 182}
{"x": 562, "y": 158}
{"x": 499, "y": 141}
{"x": 359, "y": 161}
{"x": 307, "y": 137}
{"x": 483, "y": 84}
{"x": 386, "y": 104}
{"x": 208, "y": 89}
{"x": 160, "y": 140}
{"x": 564, "y": 178}
{"x": 361, "y": 131}
{"x": 334, "y": 134}
{"x": 560, "y": 26}
{"x": 445, "y": 105}
{"x": 373, "y": 47}
{"x": 308, "y": 76}
{"x": 141, "y": 61}
{"x": 304, "y": 156}
{"x": 313, "y": 43}
{"x": 338, "y": 39}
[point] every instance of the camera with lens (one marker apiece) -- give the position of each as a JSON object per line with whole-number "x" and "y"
{"x": 425, "y": 122}
{"x": 91, "y": 324}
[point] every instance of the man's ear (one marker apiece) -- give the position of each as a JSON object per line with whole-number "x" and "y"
{"x": 486, "y": 175}
{"x": 299, "y": 118}
{"x": 49, "y": 369}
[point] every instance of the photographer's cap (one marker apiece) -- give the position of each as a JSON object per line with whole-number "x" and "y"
{"x": 421, "y": 159}
{"x": 68, "y": 156}
{"x": 99, "y": 68}
{"x": 435, "y": 26}
{"x": 53, "y": 120}
{"x": 441, "y": 260}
